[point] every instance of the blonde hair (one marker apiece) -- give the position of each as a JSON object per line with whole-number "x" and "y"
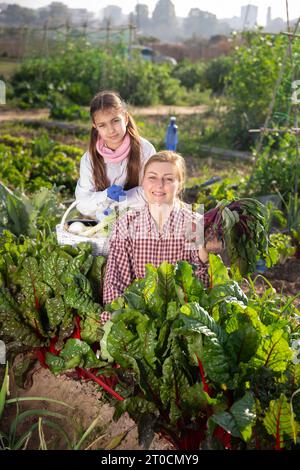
{"x": 104, "y": 101}
{"x": 167, "y": 156}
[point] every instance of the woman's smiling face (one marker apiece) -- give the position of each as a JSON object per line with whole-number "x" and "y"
{"x": 161, "y": 183}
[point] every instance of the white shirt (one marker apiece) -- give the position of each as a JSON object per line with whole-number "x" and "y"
{"x": 89, "y": 200}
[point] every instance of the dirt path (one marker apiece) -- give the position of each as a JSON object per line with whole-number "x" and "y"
{"x": 20, "y": 115}
{"x": 7, "y": 114}
{"x": 165, "y": 110}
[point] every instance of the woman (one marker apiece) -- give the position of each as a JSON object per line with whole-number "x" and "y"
{"x": 165, "y": 230}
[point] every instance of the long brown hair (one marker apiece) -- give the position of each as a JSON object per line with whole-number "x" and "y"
{"x": 104, "y": 101}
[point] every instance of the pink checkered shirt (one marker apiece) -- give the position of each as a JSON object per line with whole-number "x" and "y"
{"x": 136, "y": 241}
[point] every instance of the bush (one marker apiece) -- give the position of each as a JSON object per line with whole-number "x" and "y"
{"x": 276, "y": 168}
{"x": 251, "y": 84}
{"x": 75, "y": 76}
{"x": 216, "y": 72}
{"x": 189, "y": 74}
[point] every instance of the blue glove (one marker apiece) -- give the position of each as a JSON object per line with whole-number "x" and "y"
{"x": 101, "y": 215}
{"x": 115, "y": 192}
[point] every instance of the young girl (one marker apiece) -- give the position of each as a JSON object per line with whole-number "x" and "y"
{"x": 165, "y": 230}
{"x": 115, "y": 160}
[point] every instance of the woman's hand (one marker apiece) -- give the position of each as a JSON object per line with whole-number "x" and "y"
{"x": 214, "y": 246}
{"x": 211, "y": 246}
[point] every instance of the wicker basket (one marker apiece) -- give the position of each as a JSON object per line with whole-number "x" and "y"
{"x": 99, "y": 245}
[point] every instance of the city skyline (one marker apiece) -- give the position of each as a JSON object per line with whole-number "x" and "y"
{"x": 233, "y": 7}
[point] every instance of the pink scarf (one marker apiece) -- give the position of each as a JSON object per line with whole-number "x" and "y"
{"x": 114, "y": 156}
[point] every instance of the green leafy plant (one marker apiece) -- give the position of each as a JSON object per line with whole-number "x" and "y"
{"x": 256, "y": 65}
{"x": 26, "y": 216}
{"x": 276, "y": 168}
{"x": 41, "y": 162}
{"x": 242, "y": 224}
{"x": 210, "y": 368}
{"x": 45, "y": 292}
{"x": 283, "y": 245}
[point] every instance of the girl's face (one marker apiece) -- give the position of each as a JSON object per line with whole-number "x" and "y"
{"x": 161, "y": 183}
{"x": 111, "y": 126}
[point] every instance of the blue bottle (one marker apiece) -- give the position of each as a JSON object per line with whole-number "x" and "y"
{"x": 261, "y": 266}
{"x": 172, "y": 134}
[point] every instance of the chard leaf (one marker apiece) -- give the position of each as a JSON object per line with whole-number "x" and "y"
{"x": 147, "y": 334}
{"x": 79, "y": 295}
{"x": 148, "y": 381}
{"x": 279, "y": 421}
{"x": 215, "y": 361}
{"x": 35, "y": 290}
{"x": 194, "y": 398}
{"x": 53, "y": 267}
{"x": 166, "y": 282}
{"x": 18, "y": 218}
{"x": 162, "y": 347}
{"x": 172, "y": 311}
{"x": 230, "y": 290}
{"x": 240, "y": 419}
{"x": 134, "y": 296}
{"x": 244, "y": 343}
{"x": 123, "y": 339}
{"x": 75, "y": 353}
{"x": 12, "y": 323}
{"x": 66, "y": 327}
{"x": 90, "y": 328}
{"x": 8, "y": 305}
{"x": 172, "y": 380}
{"x": 154, "y": 302}
{"x": 184, "y": 276}
{"x": 136, "y": 407}
{"x": 80, "y": 264}
{"x": 103, "y": 342}
{"x": 217, "y": 270}
{"x": 56, "y": 311}
{"x": 96, "y": 275}
{"x": 273, "y": 352}
{"x": 195, "y": 318}
{"x": 55, "y": 363}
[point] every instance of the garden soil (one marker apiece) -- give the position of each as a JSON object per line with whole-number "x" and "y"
{"x": 86, "y": 402}
{"x": 285, "y": 278}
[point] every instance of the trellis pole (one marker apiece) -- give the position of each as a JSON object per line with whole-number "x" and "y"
{"x": 265, "y": 129}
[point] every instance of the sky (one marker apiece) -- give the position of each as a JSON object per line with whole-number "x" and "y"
{"x": 221, "y": 8}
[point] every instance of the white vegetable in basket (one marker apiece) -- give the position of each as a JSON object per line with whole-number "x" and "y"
{"x": 76, "y": 228}
{"x": 104, "y": 227}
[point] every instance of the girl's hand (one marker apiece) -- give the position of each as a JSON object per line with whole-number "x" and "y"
{"x": 114, "y": 192}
